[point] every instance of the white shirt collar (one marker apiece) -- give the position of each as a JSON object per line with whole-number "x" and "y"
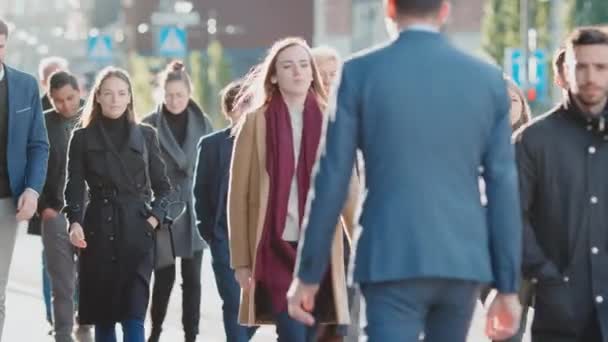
{"x": 422, "y": 27}
{"x": 1, "y": 72}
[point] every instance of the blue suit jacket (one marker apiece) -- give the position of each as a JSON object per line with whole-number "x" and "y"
{"x": 427, "y": 119}
{"x": 27, "y": 145}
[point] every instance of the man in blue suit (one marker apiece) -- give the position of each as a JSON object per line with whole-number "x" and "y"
{"x": 428, "y": 119}
{"x": 24, "y": 151}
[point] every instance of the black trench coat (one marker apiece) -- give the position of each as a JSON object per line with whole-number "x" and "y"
{"x": 116, "y": 265}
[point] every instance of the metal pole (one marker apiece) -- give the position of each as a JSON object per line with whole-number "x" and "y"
{"x": 556, "y": 27}
{"x": 524, "y": 26}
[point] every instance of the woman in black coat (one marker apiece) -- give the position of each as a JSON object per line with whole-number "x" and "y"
{"x": 180, "y": 124}
{"x": 119, "y": 162}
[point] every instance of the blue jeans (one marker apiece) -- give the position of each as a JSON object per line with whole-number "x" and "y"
{"x": 132, "y": 330}
{"x": 290, "y": 330}
{"x": 229, "y": 291}
{"x": 442, "y": 309}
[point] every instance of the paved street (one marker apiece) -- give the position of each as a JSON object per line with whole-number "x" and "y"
{"x": 25, "y": 308}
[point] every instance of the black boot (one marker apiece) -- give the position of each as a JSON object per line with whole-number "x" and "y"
{"x": 190, "y": 338}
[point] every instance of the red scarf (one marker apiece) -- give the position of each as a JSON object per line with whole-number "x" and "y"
{"x": 276, "y": 257}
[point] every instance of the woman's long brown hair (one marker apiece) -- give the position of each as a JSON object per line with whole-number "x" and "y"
{"x": 257, "y": 89}
{"x": 92, "y": 109}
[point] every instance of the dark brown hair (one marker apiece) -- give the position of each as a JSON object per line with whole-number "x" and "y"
{"x": 3, "y": 28}
{"x": 417, "y": 7}
{"x": 60, "y": 79}
{"x": 559, "y": 59}
{"x": 229, "y": 95}
{"x": 176, "y": 71}
{"x": 589, "y": 35}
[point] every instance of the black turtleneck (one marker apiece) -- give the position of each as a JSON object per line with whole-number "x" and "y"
{"x": 116, "y": 129}
{"x": 177, "y": 123}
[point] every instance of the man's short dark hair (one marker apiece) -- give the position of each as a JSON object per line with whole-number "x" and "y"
{"x": 587, "y": 36}
{"x": 229, "y": 95}
{"x": 417, "y": 7}
{"x": 558, "y": 61}
{"x": 60, "y": 79}
{"x": 3, "y": 28}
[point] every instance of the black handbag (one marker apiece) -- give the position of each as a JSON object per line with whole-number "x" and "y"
{"x": 164, "y": 248}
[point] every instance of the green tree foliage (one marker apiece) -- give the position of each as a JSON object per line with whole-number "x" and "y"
{"x": 501, "y": 26}
{"x": 142, "y": 83}
{"x": 587, "y": 12}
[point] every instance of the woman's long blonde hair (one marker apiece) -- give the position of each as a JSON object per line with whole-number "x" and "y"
{"x": 523, "y": 117}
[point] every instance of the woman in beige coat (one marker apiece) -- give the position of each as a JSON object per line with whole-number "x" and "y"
{"x": 275, "y": 149}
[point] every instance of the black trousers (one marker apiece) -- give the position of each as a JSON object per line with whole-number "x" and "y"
{"x": 164, "y": 279}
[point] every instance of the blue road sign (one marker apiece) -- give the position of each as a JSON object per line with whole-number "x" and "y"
{"x": 99, "y": 48}
{"x": 172, "y": 41}
{"x": 537, "y": 69}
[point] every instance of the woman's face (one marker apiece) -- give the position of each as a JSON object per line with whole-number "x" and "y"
{"x": 516, "y": 107}
{"x": 177, "y": 96}
{"x": 113, "y": 97}
{"x": 293, "y": 71}
{"x": 328, "y": 68}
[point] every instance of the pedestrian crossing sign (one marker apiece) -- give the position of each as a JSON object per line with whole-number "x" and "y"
{"x": 172, "y": 41}
{"x": 99, "y": 48}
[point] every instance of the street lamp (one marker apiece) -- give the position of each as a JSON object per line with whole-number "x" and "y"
{"x": 212, "y": 26}
{"x": 143, "y": 28}
{"x": 183, "y": 7}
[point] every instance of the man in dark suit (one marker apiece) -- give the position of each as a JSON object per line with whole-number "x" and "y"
{"x": 210, "y": 194}
{"x": 427, "y": 118}
{"x": 24, "y": 151}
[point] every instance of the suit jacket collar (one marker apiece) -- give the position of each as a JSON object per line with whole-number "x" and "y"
{"x": 417, "y": 34}
{"x": 422, "y": 28}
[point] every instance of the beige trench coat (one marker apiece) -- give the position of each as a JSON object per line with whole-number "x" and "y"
{"x": 247, "y": 203}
